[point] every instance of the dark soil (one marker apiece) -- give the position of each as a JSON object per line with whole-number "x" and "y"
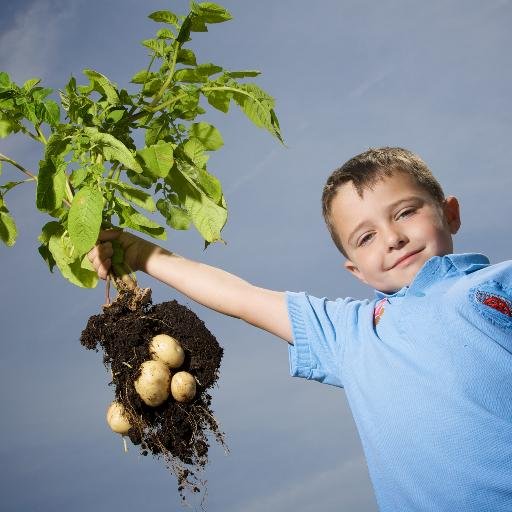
{"x": 179, "y": 433}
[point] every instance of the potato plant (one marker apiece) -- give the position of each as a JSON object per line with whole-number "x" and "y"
{"x": 93, "y": 175}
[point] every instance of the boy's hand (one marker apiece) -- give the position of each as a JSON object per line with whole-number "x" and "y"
{"x": 136, "y": 251}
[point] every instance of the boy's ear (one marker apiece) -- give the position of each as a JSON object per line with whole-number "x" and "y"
{"x": 349, "y": 265}
{"x": 452, "y": 213}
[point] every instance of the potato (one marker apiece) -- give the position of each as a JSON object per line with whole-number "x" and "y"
{"x": 183, "y": 387}
{"x": 166, "y": 349}
{"x": 153, "y": 383}
{"x": 117, "y": 418}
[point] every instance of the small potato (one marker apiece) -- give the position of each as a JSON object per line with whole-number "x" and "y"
{"x": 166, "y": 349}
{"x": 153, "y": 383}
{"x": 117, "y": 418}
{"x": 183, "y": 387}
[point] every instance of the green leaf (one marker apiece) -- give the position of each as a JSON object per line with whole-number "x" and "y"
{"x": 78, "y": 176}
{"x": 10, "y": 185}
{"x": 135, "y": 195}
{"x": 114, "y": 116}
{"x": 8, "y": 231}
{"x": 152, "y": 86}
{"x": 208, "y": 216}
{"x": 49, "y": 229}
{"x": 40, "y": 93}
{"x": 186, "y": 56}
{"x": 189, "y": 75}
{"x": 51, "y": 184}
{"x": 188, "y": 106}
{"x": 254, "y": 102}
{"x": 61, "y": 247}
{"x": 158, "y": 129}
{"x": 80, "y": 273}
{"x": 29, "y": 110}
{"x": 5, "y": 81}
{"x": 164, "y": 17}
{"x": 219, "y": 99}
{"x": 207, "y": 134}
{"x": 74, "y": 268}
{"x": 140, "y": 179}
{"x": 45, "y": 253}
{"x": 184, "y": 33}
{"x": 48, "y": 112}
{"x": 208, "y": 69}
{"x": 159, "y": 46}
{"x": 211, "y": 186}
{"x": 243, "y": 73}
{"x": 59, "y": 142}
{"x": 103, "y": 85}
{"x": 129, "y": 217}
{"x": 31, "y": 83}
{"x": 85, "y": 218}
{"x": 165, "y": 33}
{"x": 194, "y": 149}
{"x": 158, "y": 159}
{"x": 210, "y": 12}
{"x": 142, "y": 76}
{"x": 5, "y": 128}
{"x": 113, "y": 149}
{"x": 176, "y": 217}
{"x": 197, "y": 24}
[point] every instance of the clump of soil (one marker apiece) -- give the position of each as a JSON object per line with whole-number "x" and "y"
{"x": 179, "y": 433}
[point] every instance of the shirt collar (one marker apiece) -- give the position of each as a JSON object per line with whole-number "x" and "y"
{"x": 437, "y": 267}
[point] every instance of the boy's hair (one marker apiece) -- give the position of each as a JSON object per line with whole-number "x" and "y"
{"x": 366, "y": 169}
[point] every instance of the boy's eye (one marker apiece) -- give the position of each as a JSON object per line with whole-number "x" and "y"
{"x": 365, "y": 239}
{"x": 406, "y": 213}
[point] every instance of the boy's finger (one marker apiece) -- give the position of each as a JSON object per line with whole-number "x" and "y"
{"x": 109, "y": 234}
{"x": 105, "y": 250}
{"x": 103, "y": 269}
{"x": 93, "y": 253}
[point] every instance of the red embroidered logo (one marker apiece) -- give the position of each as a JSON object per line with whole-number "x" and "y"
{"x": 496, "y": 302}
{"x": 378, "y": 311}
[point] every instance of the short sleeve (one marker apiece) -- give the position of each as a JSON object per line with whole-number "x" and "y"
{"x": 319, "y": 328}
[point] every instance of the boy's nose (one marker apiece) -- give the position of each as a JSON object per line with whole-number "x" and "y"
{"x": 396, "y": 239}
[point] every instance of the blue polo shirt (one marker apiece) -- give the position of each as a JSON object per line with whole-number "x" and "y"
{"x": 428, "y": 376}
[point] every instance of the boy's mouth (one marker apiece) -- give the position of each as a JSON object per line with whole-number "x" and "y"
{"x": 406, "y": 258}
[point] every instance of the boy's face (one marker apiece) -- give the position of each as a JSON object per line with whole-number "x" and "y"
{"x": 391, "y": 231}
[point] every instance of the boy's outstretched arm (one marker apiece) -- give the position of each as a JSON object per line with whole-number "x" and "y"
{"x": 210, "y": 286}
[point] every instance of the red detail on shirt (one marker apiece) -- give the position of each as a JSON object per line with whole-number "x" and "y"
{"x": 498, "y": 303}
{"x": 378, "y": 311}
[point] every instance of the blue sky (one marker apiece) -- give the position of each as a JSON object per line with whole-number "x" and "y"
{"x": 433, "y": 77}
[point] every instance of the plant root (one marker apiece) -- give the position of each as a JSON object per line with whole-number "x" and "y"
{"x": 177, "y": 433}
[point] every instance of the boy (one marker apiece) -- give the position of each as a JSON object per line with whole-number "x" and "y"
{"x": 426, "y": 365}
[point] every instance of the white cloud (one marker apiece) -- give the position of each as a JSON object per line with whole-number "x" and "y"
{"x": 30, "y": 47}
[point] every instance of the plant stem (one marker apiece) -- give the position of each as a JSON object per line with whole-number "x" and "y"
{"x": 167, "y": 103}
{"x": 168, "y": 80}
{"x": 140, "y": 96}
{"x": 30, "y": 134}
{"x": 69, "y": 192}
{"x": 153, "y": 107}
{"x": 42, "y": 138}
{"x": 33, "y": 177}
{"x": 16, "y": 164}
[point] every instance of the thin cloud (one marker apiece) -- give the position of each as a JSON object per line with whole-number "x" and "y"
{"x": 31, "y": 45}
{"x": 364, "y": 87}
{"x": 321, "y": 491}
